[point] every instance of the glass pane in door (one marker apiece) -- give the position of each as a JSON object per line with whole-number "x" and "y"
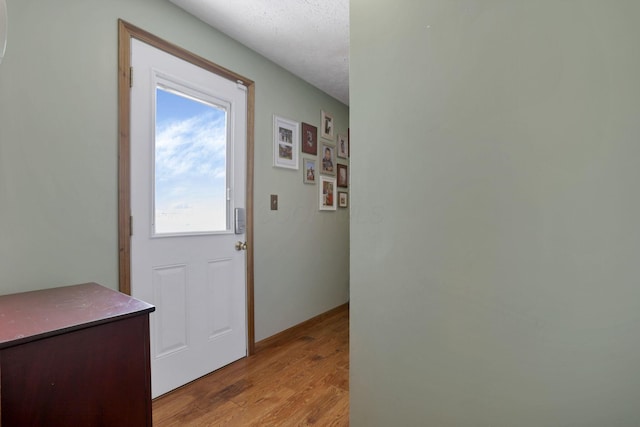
{"x": 190, "y": 165}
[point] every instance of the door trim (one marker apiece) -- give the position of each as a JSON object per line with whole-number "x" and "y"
{"x": 126, "y": 32}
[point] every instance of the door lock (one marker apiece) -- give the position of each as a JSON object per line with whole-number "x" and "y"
{"x": 241, "y": 246}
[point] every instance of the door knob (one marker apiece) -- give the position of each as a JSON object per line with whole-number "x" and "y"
{"x": 241, "y": 246}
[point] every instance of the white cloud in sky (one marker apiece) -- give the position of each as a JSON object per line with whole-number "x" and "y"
{"x": 182, "y": 205}
{"x": 193, "y": 146}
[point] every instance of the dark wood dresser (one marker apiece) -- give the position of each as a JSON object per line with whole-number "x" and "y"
{"x": 74, "y": 356}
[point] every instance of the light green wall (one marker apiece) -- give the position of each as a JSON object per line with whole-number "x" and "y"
{"x": 495, "y": 233}
{"x": 58, "y": 157}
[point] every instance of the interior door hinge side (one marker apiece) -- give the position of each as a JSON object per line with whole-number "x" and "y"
{"x": 130, "y": 77}
{"x": 130, "y": 225}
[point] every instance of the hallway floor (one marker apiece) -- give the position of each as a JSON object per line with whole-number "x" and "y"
{"x": 297, "y": 378}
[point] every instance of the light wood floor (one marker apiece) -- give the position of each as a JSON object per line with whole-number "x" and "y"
{"x": 297, "y": 378}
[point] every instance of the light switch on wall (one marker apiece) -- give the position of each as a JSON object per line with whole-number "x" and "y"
{"x": 274, "y": 202}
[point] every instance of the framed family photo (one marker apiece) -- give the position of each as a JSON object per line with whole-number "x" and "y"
{"x": 309, "y": 139}
{"x": 309, "y": 170}
{"x": 343, "y": 199}
{"x": 343, "y": 175}
{"x": 286, "y": 138}
{"x": 327, "y": 192}
{"x": 343, "y": 146}
{"x": 326, "y": 125}
{"x": 328, "y": 159}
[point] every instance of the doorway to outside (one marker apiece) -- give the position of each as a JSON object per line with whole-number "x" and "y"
{"x": 185, "y": 205}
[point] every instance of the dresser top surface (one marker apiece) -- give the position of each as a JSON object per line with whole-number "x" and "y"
{"x": 33, "y": 315}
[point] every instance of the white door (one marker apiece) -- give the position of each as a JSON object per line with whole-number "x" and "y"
{"x": 188, "y": 160}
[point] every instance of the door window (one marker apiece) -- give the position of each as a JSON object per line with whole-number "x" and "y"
{"x": 191, "y": 185}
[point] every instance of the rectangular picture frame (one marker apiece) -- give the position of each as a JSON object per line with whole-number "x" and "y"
{"x": 343, "y": 199}
{"x": 343, "y": 146}
{"x": 328, "y": 159}
{"x": 343, "y": 175}
{"x": 327, "y": 193}
{"x": 309, "y": 143}
{"x": 309, "y": 170}
{"x": 286, "y": 142}
{"x": 326, "y": 125}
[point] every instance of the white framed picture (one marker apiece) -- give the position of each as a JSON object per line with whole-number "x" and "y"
{"x": 309, "y": 170}
{"x": 328, "y": 160}
{"x": 343, "y": 146}
{"x": 327, "y": 193}
{"x": 286, "y": 143}
{"x": 326, "y": 125}
{"x": 343, "y": 199}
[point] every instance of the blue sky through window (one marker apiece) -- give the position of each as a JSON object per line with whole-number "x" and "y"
{"x": 190, "y": 165}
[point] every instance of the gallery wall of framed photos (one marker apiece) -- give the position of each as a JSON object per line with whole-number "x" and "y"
{"x": 320, "y": 151}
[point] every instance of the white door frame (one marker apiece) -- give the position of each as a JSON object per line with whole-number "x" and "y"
{"x": 126, "y": 32}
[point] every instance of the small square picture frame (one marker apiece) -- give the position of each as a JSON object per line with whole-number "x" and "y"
{"x": 309, "y": 142}
{"x": 309, "y": 170}
{"x": 328, "y": 159}
{"x": 343, "y": 146}
{"x": 326, "y": 125}
{"x": 343, "y": 175}
{"x": 286, "y": 139}
{"x": 343, "y": 199}
{"x": 327, "y": 193}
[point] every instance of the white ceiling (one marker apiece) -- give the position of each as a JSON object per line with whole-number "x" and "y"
{"x": 310, "y": 38}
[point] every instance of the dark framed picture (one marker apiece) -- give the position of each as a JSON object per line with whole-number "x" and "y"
{"x": 328, "y": 159}
{"x": 343, "y": 175}
{"x": 343, "y": 146}
{"x": 309, "y": 139}
{"x": 343, "y": 199}
{"x": 309, "y": 169}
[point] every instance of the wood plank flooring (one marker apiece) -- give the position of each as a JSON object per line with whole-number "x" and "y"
{"x": 297, "y": 378}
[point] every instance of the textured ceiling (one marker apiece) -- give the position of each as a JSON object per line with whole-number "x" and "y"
{"x": 310, "y": 38}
